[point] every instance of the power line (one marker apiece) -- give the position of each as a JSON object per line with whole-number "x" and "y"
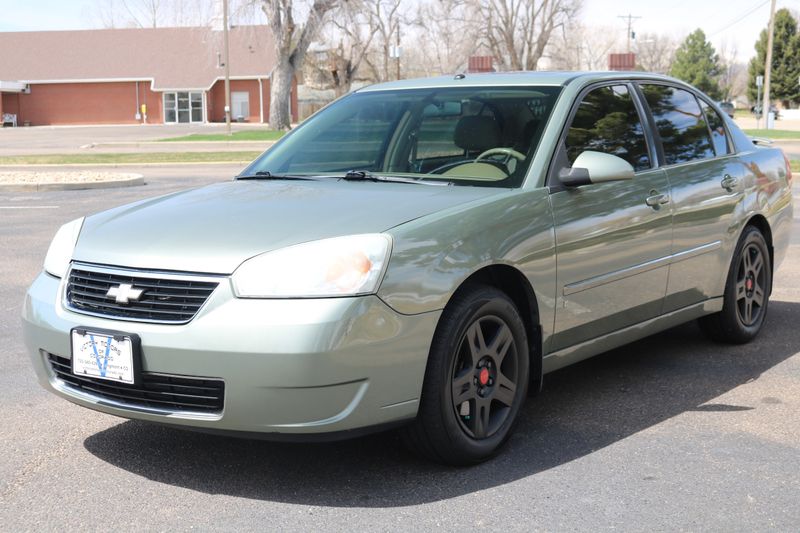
{"x": 740, "y": 18}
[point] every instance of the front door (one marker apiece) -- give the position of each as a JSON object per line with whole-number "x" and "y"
{"x": 183, "y": 107}
{"x": 613, "y": 240}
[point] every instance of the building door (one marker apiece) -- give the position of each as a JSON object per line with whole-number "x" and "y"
{"x": 183, "y": 107}
{"x": 240, "y": 105}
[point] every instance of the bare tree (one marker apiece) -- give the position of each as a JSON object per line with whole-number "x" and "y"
{"x": 446, "y": 33}
{"x": 655, "y": 52}
{"x": 352, "y": 30}
{"x": 731, "y": 72}
{"x": 386, "y": 19}
{"x": 581, "y": 47}
{"x": 152, "y": 13}
{"x": 291, "y": 41}
{"x": 518, "y": 31}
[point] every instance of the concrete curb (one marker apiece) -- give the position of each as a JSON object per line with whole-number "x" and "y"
{"x": 75, "y": 186}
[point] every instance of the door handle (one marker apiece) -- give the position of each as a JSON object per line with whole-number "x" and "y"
{"x": 656, "y": 200}
{"x": 729, "y": 182}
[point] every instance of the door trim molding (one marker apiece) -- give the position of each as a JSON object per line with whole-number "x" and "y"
{"x": 634, "y": 270}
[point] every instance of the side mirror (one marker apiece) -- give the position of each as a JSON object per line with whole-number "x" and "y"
{"x": 596, "y": 167}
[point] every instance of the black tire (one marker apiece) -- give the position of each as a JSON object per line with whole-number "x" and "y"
{"x": 480, "y": 356}
{"x": 747, "y": 292}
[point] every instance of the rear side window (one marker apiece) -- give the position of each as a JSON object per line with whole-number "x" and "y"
{"x": 680, "y": 123}
{"x": 607, "y": 121}
{"x": 718, "y": 135}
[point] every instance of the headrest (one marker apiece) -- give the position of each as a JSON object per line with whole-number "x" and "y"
{"x": 477, "y": 133}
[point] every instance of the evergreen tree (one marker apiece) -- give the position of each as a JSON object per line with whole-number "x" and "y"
{"x": 785, "y": 75}
{"x": 696, "y": 62}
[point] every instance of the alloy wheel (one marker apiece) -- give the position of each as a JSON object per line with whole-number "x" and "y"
{"x": 485, "y": 375}
{"x": 750, "y": 285}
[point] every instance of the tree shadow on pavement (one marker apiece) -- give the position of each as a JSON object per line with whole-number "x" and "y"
{"x": 583, "y": 408}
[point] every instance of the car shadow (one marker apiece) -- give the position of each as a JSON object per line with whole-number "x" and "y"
{"x": 582, "y": 409}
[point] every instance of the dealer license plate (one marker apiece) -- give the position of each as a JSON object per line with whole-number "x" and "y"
{"x": 103, "y": 356}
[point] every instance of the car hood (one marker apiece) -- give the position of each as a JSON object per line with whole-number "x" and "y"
{"x": 214, "y": 229}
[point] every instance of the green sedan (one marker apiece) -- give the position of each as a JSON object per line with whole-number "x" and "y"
{"x": 418, "y": 254}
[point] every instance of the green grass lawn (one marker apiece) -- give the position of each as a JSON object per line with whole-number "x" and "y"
{"x": 245, "y": 135}
{"x": 795, "y": 165}
{"x": 110, "y": 159}
{"x": 774, "y": 134}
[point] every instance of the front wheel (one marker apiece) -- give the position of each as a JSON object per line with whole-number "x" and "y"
{"x": 746, "y": 292}
{"x": 476, "y": 380}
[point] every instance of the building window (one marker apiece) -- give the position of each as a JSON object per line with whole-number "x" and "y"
{"x": 183, "y": 107}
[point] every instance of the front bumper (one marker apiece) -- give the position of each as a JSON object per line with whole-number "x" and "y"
{"x": 303, "y": 366}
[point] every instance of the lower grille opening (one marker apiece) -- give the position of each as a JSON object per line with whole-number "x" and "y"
{"x": 157, "y": 391}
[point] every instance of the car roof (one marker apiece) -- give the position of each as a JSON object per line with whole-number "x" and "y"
{"x": 510, "y": 79}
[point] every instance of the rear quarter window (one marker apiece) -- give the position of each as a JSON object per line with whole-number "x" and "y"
{"x": 717, "y": 127}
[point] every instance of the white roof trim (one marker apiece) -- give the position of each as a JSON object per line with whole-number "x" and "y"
{"x": 126, "y": 80}
{"x": 12, "y": 86}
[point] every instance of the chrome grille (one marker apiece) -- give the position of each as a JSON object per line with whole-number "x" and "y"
{"x": 156, "y": 391}
{"x": 165, "y": 298}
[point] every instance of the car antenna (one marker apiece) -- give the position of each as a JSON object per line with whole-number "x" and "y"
{"x": 460, "y": 76}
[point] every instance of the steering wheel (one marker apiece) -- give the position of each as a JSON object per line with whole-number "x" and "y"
{"x": 508, "y": 152}
{"x": 447, "y": 166}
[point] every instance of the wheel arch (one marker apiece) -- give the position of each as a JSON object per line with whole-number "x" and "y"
{"x": 759, "y": 221}
{"x": 516, "y": 286}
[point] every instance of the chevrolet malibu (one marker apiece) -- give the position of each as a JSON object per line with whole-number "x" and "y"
{"x": 418, "y": 254}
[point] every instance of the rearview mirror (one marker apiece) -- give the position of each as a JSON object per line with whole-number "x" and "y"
{"x": 443, "y": 109}
{"x": 596, "y": 167}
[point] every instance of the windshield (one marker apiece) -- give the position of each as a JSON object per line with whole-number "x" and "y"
{"x": 468, "y": 136}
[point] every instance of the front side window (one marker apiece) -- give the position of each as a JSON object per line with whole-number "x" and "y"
{"x": 483, "y": 136}
{"x": 607, "y": 121}
{"x": 680, "y": 123}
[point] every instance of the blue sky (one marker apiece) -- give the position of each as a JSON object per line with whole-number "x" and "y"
{"x": 734, "y": 22}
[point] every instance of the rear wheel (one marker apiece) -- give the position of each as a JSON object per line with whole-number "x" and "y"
{"x": 746, "y": 292}
{"x": 476, "y": 380}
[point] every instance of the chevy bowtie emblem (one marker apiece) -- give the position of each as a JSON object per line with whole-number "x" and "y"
{"x": 124, "y": 293}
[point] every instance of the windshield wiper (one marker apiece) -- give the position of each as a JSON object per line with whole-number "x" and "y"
{"x": 363, "y": 175}
{"x": 266, "y": 175}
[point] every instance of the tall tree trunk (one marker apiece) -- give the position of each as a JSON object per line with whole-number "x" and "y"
{"x": 291, "y": 44}
{"x": 280, "y": 115}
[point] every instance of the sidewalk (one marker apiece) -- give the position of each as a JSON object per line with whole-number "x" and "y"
{"x": 749, "y": 123}
{"x": 113, "y": 139}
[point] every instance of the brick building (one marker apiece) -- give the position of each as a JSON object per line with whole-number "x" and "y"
{"x": 174, "y": 75}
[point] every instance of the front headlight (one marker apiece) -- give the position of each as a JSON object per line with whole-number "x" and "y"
{"x": 341, "y": 266}
{"x": 59, "y": 254}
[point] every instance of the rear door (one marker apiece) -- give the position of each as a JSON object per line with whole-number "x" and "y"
{"x": 613, "y": 248}
{"x": 706, "y": 184}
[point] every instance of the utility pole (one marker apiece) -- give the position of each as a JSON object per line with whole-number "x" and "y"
{"x": 398, "y": 50}
{"x": 768, "y": 66}
{"x": 630, "y": 19}
{"x": 227, "y": 68}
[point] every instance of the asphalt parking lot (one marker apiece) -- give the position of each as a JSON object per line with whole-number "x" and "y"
{"x": 670, "y": 433}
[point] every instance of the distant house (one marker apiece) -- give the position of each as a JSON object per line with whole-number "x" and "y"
{"x": 129, "y": 76}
